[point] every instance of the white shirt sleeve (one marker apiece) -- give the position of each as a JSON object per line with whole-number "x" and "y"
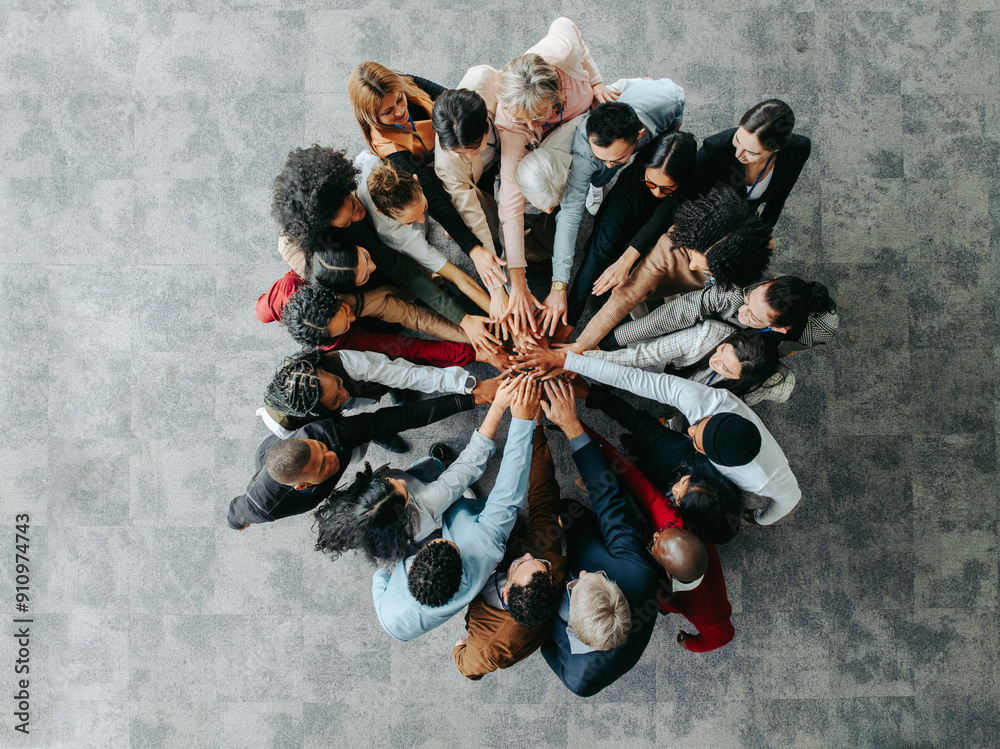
{"x": 370, "y": 366}
{"x": 408, "y": 239}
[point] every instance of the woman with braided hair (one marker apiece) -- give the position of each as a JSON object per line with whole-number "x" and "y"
{"x": 316, "y": 384}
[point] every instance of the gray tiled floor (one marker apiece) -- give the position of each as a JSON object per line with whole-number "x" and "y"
{"x": 138, "y": 144}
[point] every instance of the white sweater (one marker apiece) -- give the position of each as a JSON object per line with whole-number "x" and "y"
{"x": 767, "y": 475}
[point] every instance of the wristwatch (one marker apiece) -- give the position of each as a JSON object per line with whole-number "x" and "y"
{"x": 559, "y": 286}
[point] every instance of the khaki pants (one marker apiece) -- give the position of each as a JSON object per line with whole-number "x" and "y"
{"x": 387, "y": 303}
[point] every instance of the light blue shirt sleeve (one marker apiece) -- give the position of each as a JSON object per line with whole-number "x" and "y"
{"x": 659, "y": 104}
{"x": 497, "y": 518}
{"x": 440, "y": 494}
{"x": 580, "y": 441}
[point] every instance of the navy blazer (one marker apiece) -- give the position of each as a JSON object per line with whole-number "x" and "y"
{"x": 611, "y": 541}
{"x": 717, "y": 162}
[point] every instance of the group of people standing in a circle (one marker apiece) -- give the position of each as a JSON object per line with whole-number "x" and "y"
{"x": 681, "y": 243}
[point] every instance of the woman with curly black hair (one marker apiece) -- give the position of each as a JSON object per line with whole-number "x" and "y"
{"x": 387, "y": 513}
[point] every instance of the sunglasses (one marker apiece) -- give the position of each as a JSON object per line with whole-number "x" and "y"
{"x": 663, "y": 190}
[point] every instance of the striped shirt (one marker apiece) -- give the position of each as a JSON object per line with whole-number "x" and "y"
{"x": 695, "y": 306}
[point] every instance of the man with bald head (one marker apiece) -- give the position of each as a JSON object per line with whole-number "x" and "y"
{"x": 698, "y": 589}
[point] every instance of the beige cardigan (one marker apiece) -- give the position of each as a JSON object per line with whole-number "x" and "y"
{"x": 460, "y": 177}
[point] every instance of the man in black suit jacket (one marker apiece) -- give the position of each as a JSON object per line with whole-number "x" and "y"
{"x": 293, "y": 476}
{"x": 606, "y": 619}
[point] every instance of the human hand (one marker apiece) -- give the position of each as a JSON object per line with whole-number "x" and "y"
{"x": 500, "y": 359}
{"x": 541, "y": 358}
{"x": 521, "y": 307}
{"x": 526, "y": 398}
{"x": 461, "y": 643}
{"x": 682, "y": 637}
{"x": 561, "y": 407}
{"x": 616, "y": 273}
{"x": 475, "y": 327}
{"x": 604, "y": 94}
{"x": 555, "y": 311}
{"x": 750, "y": 517}
{"x": 505, "y": 393}
{"x": 498, "y": 311}
{"x": 581, "y": 388}
{"x": 489, "y": 267}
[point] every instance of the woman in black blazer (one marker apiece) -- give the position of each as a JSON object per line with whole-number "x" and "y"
{"x": 761, "y": 159}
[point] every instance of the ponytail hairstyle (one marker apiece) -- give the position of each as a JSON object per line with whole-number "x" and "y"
{"x": 369, "y": 515}
{"x": 333, "y": 264}
{"x": 772, "y": 121}
{"x": 460, "y": 119}
{"x": 368, "y": 84}
{"x": 675, "y": 154}
{"x": 712, "y": 505}
{"x": 726, "y": 230}
{"x": 794, "y": 300}
{"x": 758, "y": 357}
{"x": 295, "y": 389}
{"x": 393, "y": 189}
{"x": 528, "y": 86}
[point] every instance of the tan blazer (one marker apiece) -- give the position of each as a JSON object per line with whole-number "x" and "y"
{"x": 478, "y": 210}
{"x": 494, "y": 639}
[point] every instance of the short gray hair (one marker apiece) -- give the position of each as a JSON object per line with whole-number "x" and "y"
{"x": 599, "y": 614}
{"x": 528, "y": 85}
{"x": 542, "y": 176}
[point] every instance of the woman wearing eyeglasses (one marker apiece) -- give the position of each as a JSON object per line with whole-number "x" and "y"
{"x": 761, "y": 159}
{"x": 646, "y": 195}
{"x": 550, "y": 84}
{"x": 394, "y": 111}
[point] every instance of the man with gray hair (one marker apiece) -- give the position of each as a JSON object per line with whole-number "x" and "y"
{"x": 610, "y": 606}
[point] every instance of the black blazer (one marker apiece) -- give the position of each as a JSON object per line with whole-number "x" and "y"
{"x": 612, "y": 541}
{"x": 717, "y": 162}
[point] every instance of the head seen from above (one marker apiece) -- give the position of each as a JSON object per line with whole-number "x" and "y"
{"x": 340, "y": 266}
{"x": 396, "y": 193}
{"x": 723, "y": 237}
{"x": 370, "y": 515}
{"x": 436, "y": 573}
{"x": 681, "y": 554}
{"x": 598, "y": 611}
{"x": 461, "y": 122}
{"x": 315, "y": 316}
{"x": 312, "y": 188}
{"x": 531, "y": 595}
{"x": 379, "y": 98}
{"x": 668, "y": 163}
{"x": 727, "y": 439}
{"x": 613, "y": 129}
{"x": 528, "y": 90}
{"x": 784, "y": 304}
{"x": 764, "y": 129}
{"x": 301, "y": 463}
{"x": 301, "y": 387}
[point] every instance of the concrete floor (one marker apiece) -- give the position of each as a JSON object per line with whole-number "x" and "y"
{"x": 137, "y": 150}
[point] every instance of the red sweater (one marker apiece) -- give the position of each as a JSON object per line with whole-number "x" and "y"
{"x": 707, "y": 607}
{"x": 417, "y": 350}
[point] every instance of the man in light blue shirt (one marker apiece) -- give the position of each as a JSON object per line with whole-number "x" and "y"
{"x": 604, "y": 142}
{"x": 477, "y": 534}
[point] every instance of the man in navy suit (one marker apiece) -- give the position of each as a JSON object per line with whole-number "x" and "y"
{"x": 607, "y": 615}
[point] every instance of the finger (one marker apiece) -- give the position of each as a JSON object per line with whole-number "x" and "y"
{"x": 498, "y": 261}
{"x": 546, "y": 409}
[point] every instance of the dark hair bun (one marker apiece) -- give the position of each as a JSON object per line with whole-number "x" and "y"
{"x": 819, "y": 298}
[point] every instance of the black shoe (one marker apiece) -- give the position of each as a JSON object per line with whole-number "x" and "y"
{"x": 442, "y": 452}
{"x": 396, "y": 445}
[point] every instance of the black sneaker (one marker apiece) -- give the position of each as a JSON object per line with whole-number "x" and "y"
{"x": 442, "y": 452}
{"x": 396, "y": 445}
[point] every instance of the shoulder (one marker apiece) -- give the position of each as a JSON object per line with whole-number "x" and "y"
{"x": 483, "y": 79}
{"x": 719, "y": 141}
{"x": 798, "y": 149}
{"x": 562, "y": 46}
